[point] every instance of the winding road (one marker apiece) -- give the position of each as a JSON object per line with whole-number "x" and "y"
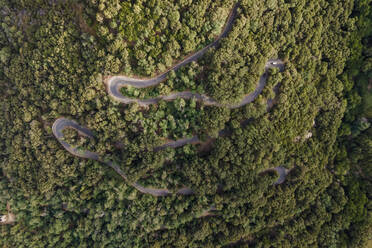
{"x": 61, "y": 123}
{"x": 114, "y": 83}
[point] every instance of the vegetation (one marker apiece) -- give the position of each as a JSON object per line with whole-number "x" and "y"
{"x": 54, "y": 56}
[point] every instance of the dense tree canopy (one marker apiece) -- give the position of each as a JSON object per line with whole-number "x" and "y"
{"x": 55, "y": 56}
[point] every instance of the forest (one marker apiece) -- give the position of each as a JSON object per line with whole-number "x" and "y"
{"x": 312, "y": 119}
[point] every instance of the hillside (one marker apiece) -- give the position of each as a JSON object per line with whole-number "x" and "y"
{"x": 190, "y": 123}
